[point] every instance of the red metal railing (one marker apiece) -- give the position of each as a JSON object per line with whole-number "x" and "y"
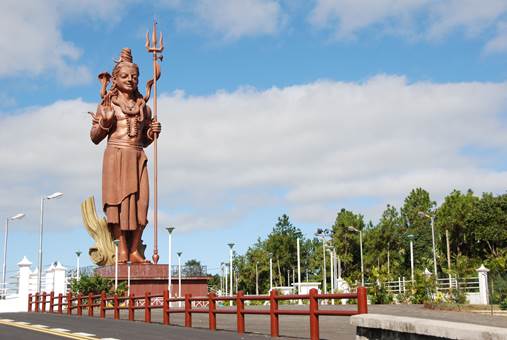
{"x": 38, "y": 303}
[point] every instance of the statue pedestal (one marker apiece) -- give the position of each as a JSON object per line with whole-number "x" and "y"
{"x": 153, "y": 278}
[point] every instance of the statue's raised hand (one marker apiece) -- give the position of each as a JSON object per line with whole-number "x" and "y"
{"x": 107, "y": 114}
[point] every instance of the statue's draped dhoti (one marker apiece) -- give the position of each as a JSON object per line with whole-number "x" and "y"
{"x": 125, "y": 188}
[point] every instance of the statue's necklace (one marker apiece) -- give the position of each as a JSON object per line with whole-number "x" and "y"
{"x": 132, "y": 115}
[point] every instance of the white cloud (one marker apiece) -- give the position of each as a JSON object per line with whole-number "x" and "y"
{"x": 31, "y": 39}
{"x": 499, "y": 42}
{"x": 231, "y": 19}
{"x": 309, "y": 149}
{"x": 415, "y": 18}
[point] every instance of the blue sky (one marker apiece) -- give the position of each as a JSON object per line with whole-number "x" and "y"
{"x": 268, "y": 107}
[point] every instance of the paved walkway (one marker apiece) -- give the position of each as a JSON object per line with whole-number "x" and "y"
{"x": 331, "y": 327}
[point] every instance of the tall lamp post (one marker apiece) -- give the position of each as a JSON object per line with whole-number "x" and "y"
{"x": 3, "y": 291}
{"x": 169, "y": 271}
{"x": 270, "y": 273}
{"x": 78, "y": 255}
{"x": 231, "y": 245}
{"x": 351, "y": 228}
{"x": 432, "y": 219}
{"x": 299, "y": 269}
{"x": 412, "y": 277}
{"x": 128, "y": 277}
{"x": 41, "y": 229}
{"x": 116, "y": 242}
{"x": 256, "y": 277}
{"x": 179, "y": 275}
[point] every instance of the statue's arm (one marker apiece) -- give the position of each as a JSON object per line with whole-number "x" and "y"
{"x": 100, "y": 128}
{"x": 151, "y": 129}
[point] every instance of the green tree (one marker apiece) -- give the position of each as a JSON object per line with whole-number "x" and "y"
{"x": 419, "y": 201}
{"x": 346, "y": 242}
{"x": 281, "y": 244}
{"x": 386, "y": 238}
{"x": 456, "y": 216}
{"x": 193, "y": 268}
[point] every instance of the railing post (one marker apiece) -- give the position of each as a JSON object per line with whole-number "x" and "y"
{"x": 30, "y": 302}
{"x": 165, "y": 308}
{"x": 273, "y": 313}
{"x": 147, "y": 307}
{"x": 188, "y": 313}
{"x": 102, "y": 305}
{"x": 362, "y": 301}
{"x": 60, "y": 303}
{"x": 69, "y": 303}
{"x": 79, "y": 304}
{"x": 44, "y": 302}
{"x": 131, "y": 307}
{"x": 212, "y": 307}
{"x": 51, "y": 301}
{"x": 314, "y": 316}
{"x": 36, "y": 302}
{"x": 240, "y": 310}
{"x": 90, "y": 304}
{"x": 116, "y": 307}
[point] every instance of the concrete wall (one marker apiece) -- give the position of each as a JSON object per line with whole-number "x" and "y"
{"x": 390, "y": 327}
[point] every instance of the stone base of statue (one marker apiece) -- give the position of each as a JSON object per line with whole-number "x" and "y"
{"x": 154, "y": 279}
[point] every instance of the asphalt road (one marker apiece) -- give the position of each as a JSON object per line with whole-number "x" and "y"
{"x": 257, "y": 326}
{"x": 96, "y": 328}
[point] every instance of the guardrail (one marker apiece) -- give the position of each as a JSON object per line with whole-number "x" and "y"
{"x": 115, "y": 303}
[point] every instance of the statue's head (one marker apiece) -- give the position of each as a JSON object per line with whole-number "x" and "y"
{"x": 125, "y": 72}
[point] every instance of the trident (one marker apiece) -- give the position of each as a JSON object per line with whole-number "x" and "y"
{"x": 152, "y": 48}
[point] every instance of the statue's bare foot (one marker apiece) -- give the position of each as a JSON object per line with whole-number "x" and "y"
{"x": 123, "y": 257}
{"x": 135, "y": 257}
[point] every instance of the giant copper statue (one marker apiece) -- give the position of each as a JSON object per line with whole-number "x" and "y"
{"x": 125, "y": 121}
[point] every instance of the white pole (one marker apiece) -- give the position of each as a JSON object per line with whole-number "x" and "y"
{"x": 222, "y": 286}
{"x": 434, "y": 251}
{"x": 116, "y": 264}
{"x": 78, "y": 276}
{"x": 179, "y": 276}
{"x": 362, "y": 264}
{"x": 324, "y": 275}
{"x": 226, "y": 279}
{"x": 299, "y": 269}
{"x": 231, "y": 271}
{"x": 169, "y": 264}
{"x": 128, "y": 278}
{"x": 3, "y": 291}
{"x": 41, "y": 227}
{"x": 256, "y": 278}
{"x": 270, "y": 274}
{"x": 412, "y": 262}
{"x": 332, "y": 274}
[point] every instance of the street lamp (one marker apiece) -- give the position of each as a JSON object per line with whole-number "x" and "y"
{"x": 116, "y": 242}
{"x": 179, "y": 275}
{"x": 256, "y": 277}
{"x": 4, "y": 268}
{"x": 432, "y": 219}
{"x": 42, "y": 200}
{"x": 331, "y": 268}
{"x": 169, "y": 271}
{"x": 78, "y": 254}
{"x": 270, "y": 273}
{"x": 321, "y": 233}
{"x": 299, "y": 269}
{"x": 351, "y": 228}
{"x": 411, "y": 238}
{"x": 128, "y": 278}
{"x": 230, "y": 264}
